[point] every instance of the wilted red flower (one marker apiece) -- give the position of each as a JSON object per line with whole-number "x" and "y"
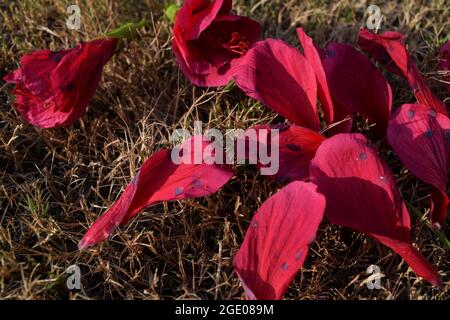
{"x": 160, "y": 179}
{"x": 389, "y": 49}
{"x": 421, "y": 138}
{"x": 444, "y": 63}
{"x": 209, "y": 41}
{"x": 277, "y": 241}
{"x": 280, "y": 77}
{"x": 53, "y": 89}
{"x": 361, "y": 193}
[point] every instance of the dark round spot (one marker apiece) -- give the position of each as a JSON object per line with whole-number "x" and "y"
{"x": 411, "y": 114}
{"x": 432, "y": 113}
{"x": 68, "y": 87}
{"x": 284, "y": 266}
{"x": 429, "y": 134}
{"x": 178, "y": 191}
{"x": 329, "y": 53}
{"x": 56, "y": 56}
{"x": 197, "y": 183}
{"x": 362, "y": 156}
{"x": 293, "y": 147}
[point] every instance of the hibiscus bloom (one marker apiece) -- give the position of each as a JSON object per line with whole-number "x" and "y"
{"x": 53, "y": 89}
{"x": 209, "y": 41}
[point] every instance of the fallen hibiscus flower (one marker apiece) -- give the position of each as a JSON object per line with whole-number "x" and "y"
{"x": 54, "y": 88}
{"x": 209, "y": 41}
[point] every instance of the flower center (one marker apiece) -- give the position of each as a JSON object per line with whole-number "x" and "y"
{"x": 237, "y": 44}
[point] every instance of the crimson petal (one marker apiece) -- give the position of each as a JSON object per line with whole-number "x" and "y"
{"x": 160, "y": 179}
{"x": 362, "y": 194}
{"x": 356, "y": 84}
{"x": 313, "y": 56}
{"x": 277, "y": 241}
{"x": 280, "y": 77}
{"x": 420, "y": 136}
{"x": 296, "y": 147}
{"x": 389, "y": 48}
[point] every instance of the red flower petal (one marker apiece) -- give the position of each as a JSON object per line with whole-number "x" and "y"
{"x": 389, "y": 48}
{"x": 52, "y": 89}
{"x": 362, "y": 194}
{"x": 356, "y": 84}
{"x": 323, "y": 92}
{"x": 209, "y": 41}
{"x": 420, "y": 136}
{"x": 280, "y": 77}
{"x": 277, "y": 241}
{"x": 296, "y": 147}
{"x": 159, "y": 179}
{"x": 197, "y": 15}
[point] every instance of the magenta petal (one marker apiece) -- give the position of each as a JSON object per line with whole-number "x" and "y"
{"x": 420, "y": 136}
{"x": 277, "y": 241}
{"x": 389, "y": 48}
{"x": 323, "y": 92}
{"x": 356, "y": 84}
{"x": 280, "y": 77}
{"x": 362, "y": 194}
{"x": 159, "y": 179}
{"x": 296, "y": 147}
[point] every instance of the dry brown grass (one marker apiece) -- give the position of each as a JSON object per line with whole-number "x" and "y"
{"x": 55, "y": 183}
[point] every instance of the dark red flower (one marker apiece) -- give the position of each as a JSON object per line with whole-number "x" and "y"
{"x": 362, "y": 194}
{"x": 160, "y": 179}
{"x": 53, "y": 89}
{"x": 277, "y": 241}
{"x": 421, "y": 138}
{"x": 209, "y": 41}
{"x": 389, "y": 49}
{"x": 444, "y": 63}
{"x": 280, "y": 77}
{"x": 356, "y": 85}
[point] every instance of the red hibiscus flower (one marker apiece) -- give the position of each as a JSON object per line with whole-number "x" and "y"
{"x": 209, "y": 41}
{"x": 53, "y": 89}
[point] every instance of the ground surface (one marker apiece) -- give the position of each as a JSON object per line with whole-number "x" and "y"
{"x": 55, "y": 183}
